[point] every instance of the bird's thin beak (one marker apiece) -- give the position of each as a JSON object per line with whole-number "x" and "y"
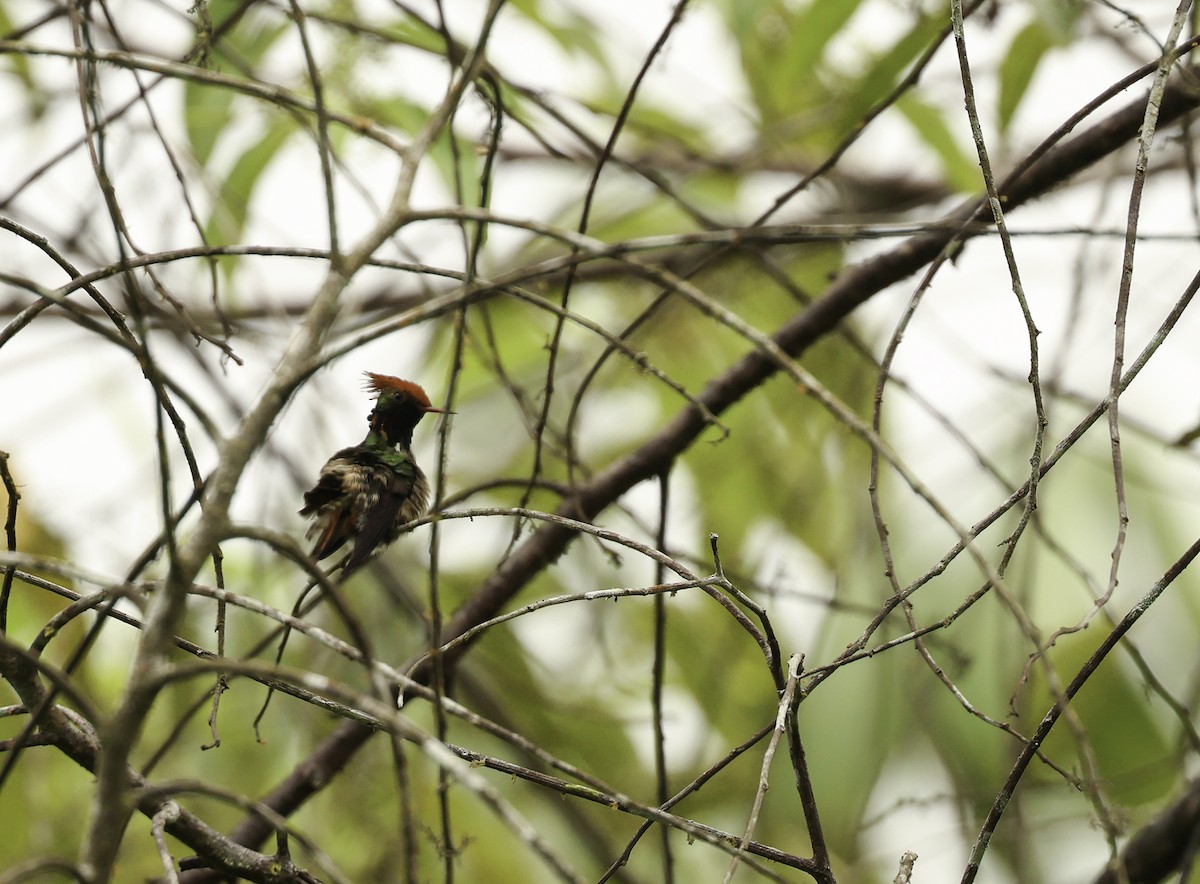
{"x": 437, "y": 410}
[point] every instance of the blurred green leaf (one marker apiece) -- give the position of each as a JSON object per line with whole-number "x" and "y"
{"x": 1025, "y": 53}
{"x": 962, "y": 173}
{"x": 409, "y": 32}
{"x": 406, "y": 115}
{"x": 228, "y": 217}
{"x": 810, "y": 31}
{"x": 982, "y": 660}
{"x": 851, "y": 721}
{"x": 884, "y": 71}
{"x": 1060, "y": 17}
{"x": 653, "y": 128}
{"x": 1136, "y": 762}
{"x": 569, "y": 29}
{"x": 208, "y": 109}
{"x": 781, "y": 49}
{"x": 35, "y": 96}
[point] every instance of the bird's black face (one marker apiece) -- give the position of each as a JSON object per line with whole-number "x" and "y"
{"x": 394, "y": 417}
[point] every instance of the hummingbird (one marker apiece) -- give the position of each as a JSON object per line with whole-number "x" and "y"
{"x": 366, "y": 493}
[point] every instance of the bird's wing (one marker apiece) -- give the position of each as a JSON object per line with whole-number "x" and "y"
{"x": 333, "y": 535}
{"x": 329, "y": 485}
{"x": 327, "y": 490}
{"x": 379, "y": 522}
{"x": 334, "y": 521}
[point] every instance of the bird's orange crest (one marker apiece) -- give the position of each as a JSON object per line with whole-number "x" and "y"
{"x": 382, "y": 383}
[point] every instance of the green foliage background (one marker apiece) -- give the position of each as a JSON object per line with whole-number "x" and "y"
{"x": 212, "y": 142}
